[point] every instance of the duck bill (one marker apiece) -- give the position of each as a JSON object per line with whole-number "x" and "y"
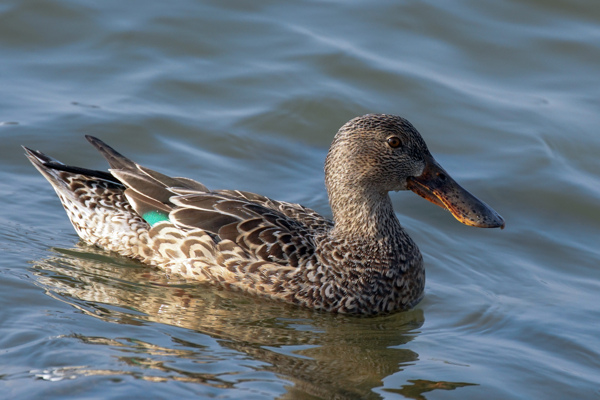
{"x": 436, "y": 185}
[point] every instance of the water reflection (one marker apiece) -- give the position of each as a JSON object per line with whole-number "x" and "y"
{"x": 322, "y": 355}
{"x": 419, "y": 386}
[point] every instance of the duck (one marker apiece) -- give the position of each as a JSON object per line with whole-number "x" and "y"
{"x": 361, "y": 261}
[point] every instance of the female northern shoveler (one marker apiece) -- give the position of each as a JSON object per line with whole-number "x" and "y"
{"x": 362, "y": 262}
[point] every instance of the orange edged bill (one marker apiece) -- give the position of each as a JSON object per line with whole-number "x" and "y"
{"x": 436, "y": 185}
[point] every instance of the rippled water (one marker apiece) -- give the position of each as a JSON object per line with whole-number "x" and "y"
{"x": 248, "y": 95}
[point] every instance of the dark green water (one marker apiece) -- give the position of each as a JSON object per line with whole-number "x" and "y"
{"x": 248, "y": 95}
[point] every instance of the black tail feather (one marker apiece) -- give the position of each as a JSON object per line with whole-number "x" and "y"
{"x": 42, "y": 160}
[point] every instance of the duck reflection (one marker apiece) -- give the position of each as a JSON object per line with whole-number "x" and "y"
{"x": 320, "y": 354}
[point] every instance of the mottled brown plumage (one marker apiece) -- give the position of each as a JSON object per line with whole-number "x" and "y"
{"x": 362, "y": 262}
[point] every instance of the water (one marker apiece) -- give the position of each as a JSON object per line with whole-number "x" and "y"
{"x": 248, "y": 95}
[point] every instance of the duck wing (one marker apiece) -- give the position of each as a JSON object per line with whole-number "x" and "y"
{"x": 264, "y": 233}
{"x": 265, "y": 229}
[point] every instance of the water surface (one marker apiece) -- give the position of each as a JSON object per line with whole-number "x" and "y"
{"x": 248, "y": 96}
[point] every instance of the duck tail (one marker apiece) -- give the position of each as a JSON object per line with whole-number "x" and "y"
{"x": 49, "y": 166}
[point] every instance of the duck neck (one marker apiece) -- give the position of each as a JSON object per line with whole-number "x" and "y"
{"x": 364, "y": 214}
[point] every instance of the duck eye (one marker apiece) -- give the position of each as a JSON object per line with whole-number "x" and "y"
{"x": 394, "y": 142}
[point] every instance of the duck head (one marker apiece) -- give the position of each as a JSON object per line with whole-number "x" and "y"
{"x": 378, "y": 153}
